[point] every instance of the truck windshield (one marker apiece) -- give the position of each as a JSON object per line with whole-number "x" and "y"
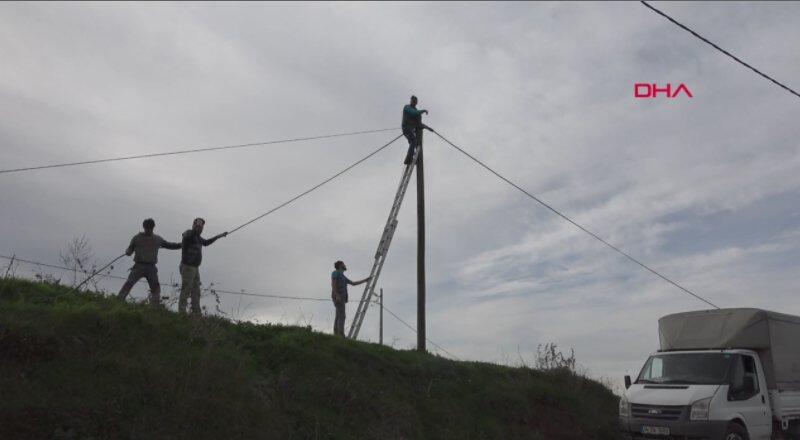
{"x": 686, "y": 369}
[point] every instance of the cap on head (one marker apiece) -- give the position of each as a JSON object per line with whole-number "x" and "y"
{"x": 149, "y": 224}
{"x": 338, "y": 265}
{"x": 198, "y": 221}
{"x": 413, "y": 99}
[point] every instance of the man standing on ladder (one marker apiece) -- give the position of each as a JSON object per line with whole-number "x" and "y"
{"x": 339, "y": 284}
{"x": 146, "y": 245}
{"x": 191, "y": 257}
{"x": 412, "y": 121}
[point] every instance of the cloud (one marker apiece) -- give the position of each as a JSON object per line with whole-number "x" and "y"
{"x": 701, "y": 189}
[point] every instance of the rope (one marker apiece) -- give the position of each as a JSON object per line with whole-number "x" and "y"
{"x": 52, "y": 266}
{"x": 348, "y": 168}
{"x": 563, "y": 216}
{"x": 229, "y": 292}
{"x": 193, "y": 150}
{"x": 779, "y": 84}
{"x": 78, "y": 287}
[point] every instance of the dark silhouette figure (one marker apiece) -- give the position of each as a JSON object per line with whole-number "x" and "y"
{"x": 339, "y": 283}
{"x": 412, "y": 122}
{"x": 191, "y": 257}
{"x": 146, "y": 245}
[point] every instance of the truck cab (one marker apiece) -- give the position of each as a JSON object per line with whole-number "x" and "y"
{"x": 725, "y": 374}
{"x": 703, "y": 394}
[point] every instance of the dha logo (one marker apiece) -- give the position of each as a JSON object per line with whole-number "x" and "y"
{"x": 645, "y": 90}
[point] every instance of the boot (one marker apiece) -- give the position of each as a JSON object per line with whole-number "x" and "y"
{"x": 409, "y": 157}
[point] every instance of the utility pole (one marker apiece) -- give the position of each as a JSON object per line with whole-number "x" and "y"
{"x": 420, "y": 246}
{"x": 380, "y": 333}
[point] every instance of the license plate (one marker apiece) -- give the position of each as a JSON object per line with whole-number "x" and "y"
{"x": 655, "y": 430}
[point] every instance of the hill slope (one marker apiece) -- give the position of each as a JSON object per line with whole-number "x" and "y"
{"x": 85, "y": 366}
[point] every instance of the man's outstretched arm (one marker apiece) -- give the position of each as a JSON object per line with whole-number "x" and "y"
{"x": 414, "y": 112}
{"x": 129, "y": 251}
{"x": 170, "y": 245}
{"x": 211, "y": 240}
{"x": 356, "y": 283}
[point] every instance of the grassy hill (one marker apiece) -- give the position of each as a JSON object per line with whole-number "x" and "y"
{"x": 81, "y": 366}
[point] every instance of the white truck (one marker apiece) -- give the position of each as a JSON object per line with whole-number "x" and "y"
{"x": 728, "y": 374}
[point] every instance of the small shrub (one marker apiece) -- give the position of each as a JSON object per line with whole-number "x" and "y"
{"x": 549, "y": 357}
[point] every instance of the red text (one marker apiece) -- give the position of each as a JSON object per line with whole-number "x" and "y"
{"x": 645, "y": 90}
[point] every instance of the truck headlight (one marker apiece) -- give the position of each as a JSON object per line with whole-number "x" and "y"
{"x": 624, "y": 407}
{"x": 700, "y": 409}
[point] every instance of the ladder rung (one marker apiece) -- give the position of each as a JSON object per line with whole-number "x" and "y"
{"x": 383, "y": 248}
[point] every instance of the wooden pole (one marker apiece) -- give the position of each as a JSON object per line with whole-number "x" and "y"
{"x": 380, "y": 332}
{"x": 420, "y": 246}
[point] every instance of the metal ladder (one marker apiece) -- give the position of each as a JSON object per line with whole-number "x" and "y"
{"x": 383, "y": 249}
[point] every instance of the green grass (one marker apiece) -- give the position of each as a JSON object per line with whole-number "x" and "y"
{"x": 83, "y": 366}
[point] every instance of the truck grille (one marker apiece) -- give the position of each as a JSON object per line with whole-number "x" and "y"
{"x": 669, "y": 437}
{"x": 657, "y": 412}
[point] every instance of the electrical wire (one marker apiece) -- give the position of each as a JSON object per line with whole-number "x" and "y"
{"x": 194, "y": 150}
{"x": 735, "y": 58}
{"x": 346, "y": 169}
{"x": 52, "y": 266}
{"x": 563, "y": 216}
{"x": 229, "y": 292}
{"x": 297, "y": 298}
{"x": 415, "y": 331}
{"x": 96, "y": 272}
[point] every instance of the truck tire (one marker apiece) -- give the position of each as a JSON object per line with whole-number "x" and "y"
{"x": 736, "y": 432}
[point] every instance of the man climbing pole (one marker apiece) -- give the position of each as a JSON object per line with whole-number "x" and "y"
{"x": 146, "y": 245}
{"x": 339, "y": 284}
{"x": 191, "y": 257}
{"x": 412, "y": 121}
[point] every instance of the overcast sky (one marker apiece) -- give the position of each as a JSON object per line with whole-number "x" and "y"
{"x": 706, "y": 190}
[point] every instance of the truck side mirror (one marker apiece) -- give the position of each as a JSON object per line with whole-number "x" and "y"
{"x": 627, "y": 381}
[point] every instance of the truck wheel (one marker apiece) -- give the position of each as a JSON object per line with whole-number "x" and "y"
{"x": 736, "y": 432}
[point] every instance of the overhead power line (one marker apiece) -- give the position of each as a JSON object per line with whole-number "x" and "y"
{"x": 346, "y": 169}
{"x": 293, "y": 199}
{"x": 734, "y": 57}
{"x": 563, "y": 216}
{"x": 52, "y": 266}
{"x": 97, "y": 272}
{"x": 262, "y": 295}
{"x": 415, "y": 331}
{"x": 228, "y": 292}
{"x": 194, "y": 150}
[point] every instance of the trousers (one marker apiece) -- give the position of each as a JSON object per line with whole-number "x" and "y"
{"x": 411, "y": 136}
{"x": 148, "y": 272}
{"x": 338, "y": 322}
{"x": 190, "y": 287}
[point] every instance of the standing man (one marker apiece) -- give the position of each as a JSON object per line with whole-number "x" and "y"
{"x": 412, "y": 121}
{"x": 339, "y": 284}
{"x": 146, "y": 245}
{"x": 191, "y": 257}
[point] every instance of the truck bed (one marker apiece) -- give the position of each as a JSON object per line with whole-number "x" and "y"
{"x": 785, "y": 405}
